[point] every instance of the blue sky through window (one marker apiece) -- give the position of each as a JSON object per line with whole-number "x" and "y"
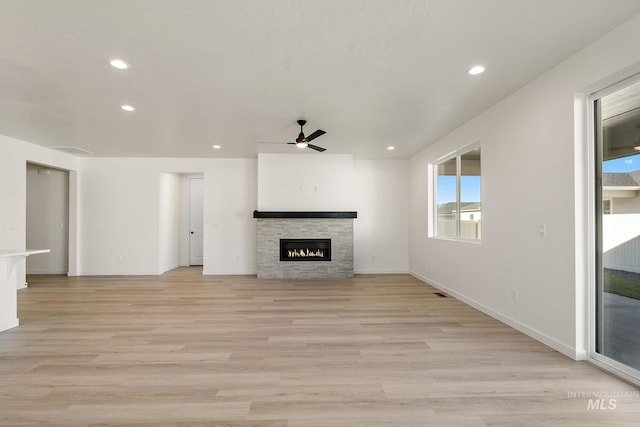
{"x": 623, "y": 164}
{"x": 470, "y": 188}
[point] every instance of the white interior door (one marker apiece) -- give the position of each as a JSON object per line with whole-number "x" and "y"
{"x": 196, "y": 187}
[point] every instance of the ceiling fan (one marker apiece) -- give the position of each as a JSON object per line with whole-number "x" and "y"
{"x": 303, "y": 141}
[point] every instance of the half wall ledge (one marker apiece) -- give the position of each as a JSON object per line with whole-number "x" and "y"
{"x": 305, "y": 214}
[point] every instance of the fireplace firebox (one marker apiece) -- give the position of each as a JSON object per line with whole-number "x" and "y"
{"x": 305, "y": 249}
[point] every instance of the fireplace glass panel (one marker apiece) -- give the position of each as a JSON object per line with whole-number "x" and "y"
{"x": 305, "y": 249}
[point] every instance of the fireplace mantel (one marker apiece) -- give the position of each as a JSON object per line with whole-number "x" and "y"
{"x": 305, "y": 214}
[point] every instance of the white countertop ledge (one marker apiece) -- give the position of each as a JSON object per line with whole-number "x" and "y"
{"x": 10, "y": 253}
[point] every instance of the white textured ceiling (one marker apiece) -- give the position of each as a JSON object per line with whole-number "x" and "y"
{"x": 371, "y": 73}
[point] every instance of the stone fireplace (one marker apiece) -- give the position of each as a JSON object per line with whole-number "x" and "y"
{"x": 323, "y": 240}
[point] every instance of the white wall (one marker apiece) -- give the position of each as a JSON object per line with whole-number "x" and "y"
{"x": 528, "y": 178}
{"x": 47, "y": 219}
{"x": 120, "y": 217}
{"x": 170, "y": 215}
{"x": 14, "y": 155}
{"x": 381, "y": 232}
{"x": 121, "y": 214}
{"x": 305, "y": 182}
{"x": 230, "y": 196}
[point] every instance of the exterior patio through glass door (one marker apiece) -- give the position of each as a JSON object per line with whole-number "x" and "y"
{"x": 617, "y": 131}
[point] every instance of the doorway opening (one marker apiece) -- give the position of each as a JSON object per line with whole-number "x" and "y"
{"x": 196, "y": 217}
{"x": 181, "y": 218}
{"x": 47, "y": 218}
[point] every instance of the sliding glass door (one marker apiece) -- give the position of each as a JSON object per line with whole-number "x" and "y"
{"x": 617, "y": 166}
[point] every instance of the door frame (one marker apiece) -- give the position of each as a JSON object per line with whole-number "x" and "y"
{"x": 72, "y": 215}
{"x": 190, "y": 179}
{"x": 593, "y": 212}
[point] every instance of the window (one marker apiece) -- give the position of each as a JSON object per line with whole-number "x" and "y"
{"x": 458, "y": 202}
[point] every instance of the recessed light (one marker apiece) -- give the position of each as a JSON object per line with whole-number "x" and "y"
{"x": 391, "y": 148}
{"x": 217, "y": 147}
{"x": 128, "y": 108}
{"x": 475, "y": 70}
{"x": 119, "y": 64}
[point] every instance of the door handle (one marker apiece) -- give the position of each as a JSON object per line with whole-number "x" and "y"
{"x": 192, "y": 232}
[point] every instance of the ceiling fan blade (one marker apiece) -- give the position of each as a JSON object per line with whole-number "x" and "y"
{"x": 270, "y": 142}
{"x": 316, "y": 134}
{"x": 315, "y": 147}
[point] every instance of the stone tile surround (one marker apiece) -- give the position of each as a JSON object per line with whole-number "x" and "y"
{"x": 271, "y": 230}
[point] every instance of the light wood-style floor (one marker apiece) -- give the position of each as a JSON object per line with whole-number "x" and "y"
{"x": 190, "y": 350}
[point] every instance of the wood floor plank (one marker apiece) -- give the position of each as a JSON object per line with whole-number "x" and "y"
{"x": 191, "y": 350}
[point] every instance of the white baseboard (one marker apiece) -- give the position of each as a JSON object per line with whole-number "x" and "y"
{"x": 368, "y": 271}
{"x": 47, "y": 272}
{"x": 170, "y": 268}
{"x": 116, "y": 273}
{"x": 229, "y": 273}
{"x": 155, "y": 273}
{"x": 581, "y": 354}
{"x": 576, "y": 354}
{"x": 8, "y": 324}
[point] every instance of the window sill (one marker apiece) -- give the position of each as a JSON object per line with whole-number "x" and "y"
{"x": 457, "y": 239}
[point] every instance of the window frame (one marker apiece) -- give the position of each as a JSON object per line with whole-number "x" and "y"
{"x": 433, "y": 197}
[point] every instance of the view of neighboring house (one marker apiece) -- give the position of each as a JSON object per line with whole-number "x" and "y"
{"x": 469, "y": 211}
{"x": 621, "y": 192}
{"x": 621, "y": 222}
{"x": 470, "y": 219}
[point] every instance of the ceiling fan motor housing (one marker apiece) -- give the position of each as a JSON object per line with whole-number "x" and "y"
{"x": 301, "y": 139}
